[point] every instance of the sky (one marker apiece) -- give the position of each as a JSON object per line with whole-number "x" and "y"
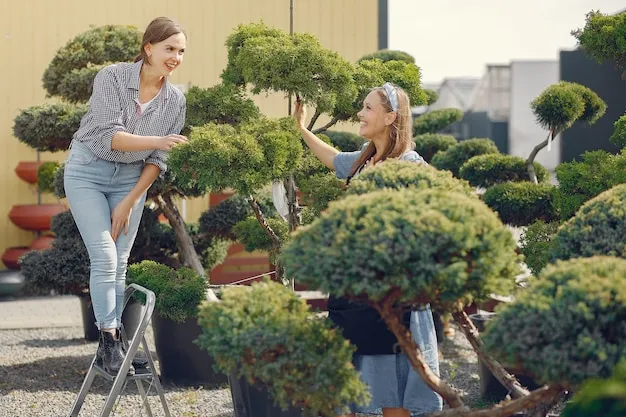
{"x": 457, "y": 38}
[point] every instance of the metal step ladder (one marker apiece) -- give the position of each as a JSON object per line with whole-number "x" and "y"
{"x": 119, "y": 382}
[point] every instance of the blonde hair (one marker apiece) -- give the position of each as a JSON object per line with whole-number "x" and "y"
{"x": 400, "y": 131}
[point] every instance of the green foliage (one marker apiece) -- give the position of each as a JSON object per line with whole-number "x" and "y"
{"x": 558, "y": 106}
{"x": 269, "y": 336}
{"x": 595, "y": 107}
{"x": 389, "y": 55}
{"x": 582, "y": 180}
{"x": 490, "y": 169}
{"x": 598, "y": 228}
{"x": 455, "y": 156}
{"x": 99, "y": 45}
{"x": 522, "y": 203}
{"x": 601, "y": 397}
{"x": 48, "y": 127}
{"x": 535, "y": 244}
{"x": 568, "y": 326}
{"x": 45, "y": 176}
{"x": 218, "y": 221}
{"x": 178, "y": 292}
{"x": 619, "y": 134}
{"x": 436, "y": 120}
{"x": 345, "y": 141}
{"x": 397, "y": 175}
{"x": 603, "y": 37}
{"x": 219, "y": 156}
{"x": 320, "y": 189}
{"x": 428, "y": 144}
{"x": 254, "y": 237}
{"x": 77, "y": 86}
{"x": 432, "y": 95}
{"x": 221, "y": 104}
{"x": 57, "y": 183}
{"x": 425, "y": 246}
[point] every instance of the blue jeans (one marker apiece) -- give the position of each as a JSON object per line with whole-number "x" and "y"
{"x": 94, "y": 187}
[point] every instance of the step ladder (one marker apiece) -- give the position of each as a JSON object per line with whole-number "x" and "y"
{"x": 119, "y": 382}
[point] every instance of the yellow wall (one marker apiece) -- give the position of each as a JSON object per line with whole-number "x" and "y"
{"x": 31, "y": 31}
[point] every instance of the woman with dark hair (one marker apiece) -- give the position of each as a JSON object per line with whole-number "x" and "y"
{"x": 396, "y": 389}
{"x": 135, "y": 117}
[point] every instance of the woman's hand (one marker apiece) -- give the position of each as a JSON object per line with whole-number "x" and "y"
{"x": 299, "y": 114}
{"x": 165, "y": 143}
{"x": 120, "y": 218}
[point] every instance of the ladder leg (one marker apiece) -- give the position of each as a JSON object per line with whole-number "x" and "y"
{"x": 155, "y": 377}
{"x": 118, "y": 384}
{"x": 144, "y": 396}
{"x": 84, "y": 389}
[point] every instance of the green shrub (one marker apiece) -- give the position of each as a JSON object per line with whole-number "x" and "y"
{"x": 389, "y": 55}
{"x": 45, "y": 176}
{"x": 522, "y": 203}
{"x": 398, "y": 175}
{"x": 432, "y": 95}
{"x": 432, "y": 246}
{"x": 568, "y": 326}
{"x": 436, "y": 120}
{"x": 558, "y": 106}
{"x": 99, "y": 45}
{"x": 455, "y": 156}
{"x": 234, "y": 106}
{"x": 269, "y": 336}
{"x": 535, "y": 244}
{"x": 582, "y": 180}
{"x": 491, "y": 169}
{"x": 178, "y": 292}
{"x": 49, "y": 127}
{"x": 601, "y": 397}
{"x": 57, "y": 183}
{"x": 603, "y": 37}
{"x": 77, "y": 86}
{"x": 254, "y": 237}
{"x": 618, "y": 137}
{"x": 428, "y": 144}
{"x": 598, "y": 228}
{"x": 320, "y": 189}
{"x": 219, "y": 220}
{"x": 595, "y": 107}
{"x": 345, "y": 141}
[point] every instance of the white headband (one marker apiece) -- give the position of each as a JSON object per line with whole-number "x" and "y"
{"x": 392, "y": 95}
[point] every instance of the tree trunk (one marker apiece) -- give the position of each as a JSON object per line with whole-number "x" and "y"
{"x": 186, "y": 250}
{"x": 326, "y": 126}
{"x": 543, "y": 409}
{"x": 543, "y": 395}
{"x": 414, "y": 354}
{"x": 506, "y": 379}
{"x": 314, "y": 119}
{"x": 531, "y": 158}
{"x": 294, "y": 217}
{"x": 276, "y": 242}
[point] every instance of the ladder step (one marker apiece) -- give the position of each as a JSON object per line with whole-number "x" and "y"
{"x": 144, "y": 376}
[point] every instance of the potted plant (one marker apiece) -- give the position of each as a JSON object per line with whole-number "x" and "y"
{"x": 178, "y": 294}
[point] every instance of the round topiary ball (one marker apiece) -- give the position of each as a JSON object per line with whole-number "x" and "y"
{"x": 455, "y": 156}
{"x": 490, "y": 169}
{"x": 428, "y": 144}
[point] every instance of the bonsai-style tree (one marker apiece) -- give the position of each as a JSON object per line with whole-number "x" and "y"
{"x": 267, "y": 335}
{"x": 436, "y": 120}
{"x": 454, "y": 250}
{"x": 557, "y": 108}
{"x": 603, "y": 38}
{"x": 619, "y": 134}
{"x": 428, "y": 144}
{"x": 490, "y": 169}
{"x": 455, "y": 156}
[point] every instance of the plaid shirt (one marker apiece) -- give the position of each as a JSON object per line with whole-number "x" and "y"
{"x": 114, "y": 107}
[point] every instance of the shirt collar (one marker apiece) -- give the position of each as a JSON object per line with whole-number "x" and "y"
{"x": 133, "y": 82}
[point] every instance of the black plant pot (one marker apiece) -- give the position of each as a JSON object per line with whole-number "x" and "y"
{"x": 254, "y": 401}
{"x": 131, "y": 317}
{"x": 490, "y": 388}
{"x": 181, "y": 360}
{"x": 90, "y": 330}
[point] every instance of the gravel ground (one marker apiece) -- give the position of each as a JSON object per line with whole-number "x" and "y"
{"x": 41, "y": 371}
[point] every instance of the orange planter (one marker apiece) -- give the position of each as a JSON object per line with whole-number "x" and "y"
{"x": 11, "y": 256}
{"x": 43, "y": 242}
{"x": 35, "y": 217}
{"x": 27, "y": 171}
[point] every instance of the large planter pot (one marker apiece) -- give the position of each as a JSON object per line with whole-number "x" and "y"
{"x": 180, "y": 359}
{"x": 11, "y": 282}
{"x": 254, "y": 401}
{"x": 90, "y": 330}
{"x": 490, "y": 388}
{"x": 27, "y": 171}
{"x": 35, "y": 217}
{"x": 131, "y": 317}
{"x": 12, "y": 255}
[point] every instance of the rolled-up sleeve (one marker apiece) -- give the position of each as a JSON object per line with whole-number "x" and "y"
{"x": 159, "y": 157}
{"x": 344, "y": 161}
{"x": 106, "y": 107}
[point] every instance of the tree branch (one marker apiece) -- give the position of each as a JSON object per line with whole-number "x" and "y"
{"x": 531, "y": 158}
{"x": 414, "y": 354}
{"x": 505, "y": 378}
{"x": 263, "y": 222}
{"x": 316, "y": 116}
{"x": 326, "y": 126}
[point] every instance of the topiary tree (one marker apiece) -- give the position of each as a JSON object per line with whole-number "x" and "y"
{"x": 433, "y": 96}
{"x": 454, "y": 250}
{"x": 619, "y": 134}
{"x": 603, "y": 38}
{"x": 389, "y": 55}
{"x": 490, "y": 169}
{"x": 436, "y": 120}
{"x": 522, "y": 203}
{"x": 428, "y": 144}
{"x": 557, "y": 108}
{"x": 535, "y": 244}
{"x": 290, "y": 354}
{"x": 455, "y": 156}
{"x": 598, "y": 228}
{"x": 579, "y": 181}
{"x": 568, "y": 326}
